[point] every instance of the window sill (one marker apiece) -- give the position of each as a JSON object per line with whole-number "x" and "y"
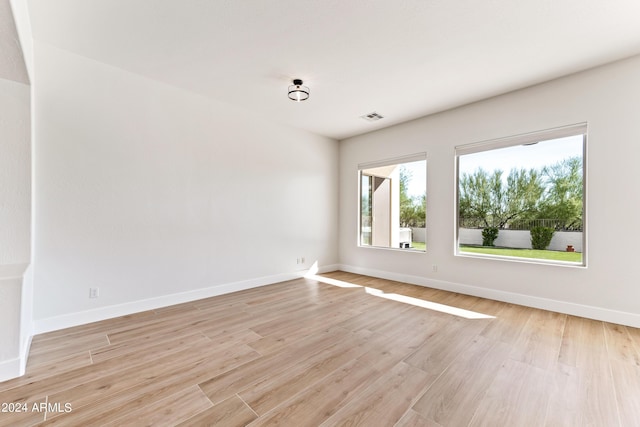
{"x": 522, "y": 260}
{"x": 410, "y": 250}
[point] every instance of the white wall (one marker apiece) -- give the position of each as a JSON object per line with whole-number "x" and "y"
{"x": 608, "y": 98}
{"x": 156, "y": 195}
{"x": 10, "y": 293}
{"x": 15, "y": 173}
{"x": 15, "y": 215}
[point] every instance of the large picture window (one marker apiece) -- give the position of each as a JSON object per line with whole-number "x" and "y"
{"x": 523, "y": 197}
{"x": 393, "y": 202}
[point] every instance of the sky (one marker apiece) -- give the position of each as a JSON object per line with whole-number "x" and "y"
{"x": 417, "y": 184}
{"x": 534, "y": 156}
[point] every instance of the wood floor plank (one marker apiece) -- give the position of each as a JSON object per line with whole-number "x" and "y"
{"x": 234, "y": 337}
{"x": 514, "y": 403}
{"x": 316, "y": 404}
{"x": 620, "y": 344}
{"x": 175, "y": 327}
{"x": 634, "y": 333}
{"x": 169, "y": 411}
{"x": 455, "y": 300}
{"x": 128, "y": 377}
{"x": 409, "y": 319}
{"x": 487, "y": 307}
{"x": 565, "y": 398}
{"x": 268, "y": 392}
{"x": 583, "y": 342}
{"x": 444, "y": 342}
{"x": 44, "y": 370}
{"x": 46, "y": 355}
{"x": 413, "y": 419}
{"x": 626, "y": 378}
{"x": 598, "y": 395}
{"x": 228, "y": 384}
{"x": 375, "y": 317}
{"x": 186, "y": 315}
{"x": 352, "y": 278}
{"x": 63, "y": 381}
{"x": 385, "y": 401}
{"x": 109, "y": 407}
{"x": 65, "y": 335}
{"x": 334, "y": 349}
{"x": 581, "y": 396}
{"x": 162, "y": 345}
{"x": 68, "y": 343}
{"x": 232, "y": 412}
{"x": 284, "y": 289}
{"x": 539, "y": 341}
{"x": 508, "y": 324}
{"x": 385, "y": 354}
{"x": 298, "y": 292}
{"x": 584, "y": 347}
{"x": 297, "y": 330}
{"x": 277, "y": 325}
{"x": 29, "y": 414}
{"x": 456, "y": 394}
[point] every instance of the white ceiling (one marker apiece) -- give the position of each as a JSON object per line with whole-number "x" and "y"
{"x": 403, "y": 58}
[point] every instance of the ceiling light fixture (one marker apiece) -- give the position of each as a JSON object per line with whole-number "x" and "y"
{"x": 372, "y": 117}
{"x": 297, "y": 92}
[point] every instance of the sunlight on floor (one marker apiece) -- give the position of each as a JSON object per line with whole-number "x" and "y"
{"x": 428, "y": 304}
{"x": 467, "y": 314}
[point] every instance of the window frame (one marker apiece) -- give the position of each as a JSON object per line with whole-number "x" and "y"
{"x": 421, "y": 156}
{"x": 524, "y": 139}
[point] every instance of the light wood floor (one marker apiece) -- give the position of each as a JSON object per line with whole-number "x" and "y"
{"x": 306, "y": 353}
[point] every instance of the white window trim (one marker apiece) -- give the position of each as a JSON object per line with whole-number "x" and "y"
{"x": 509, "y": 141}
{"x": 421, "y": 156}
{"x": 526, "y": 138}
{"x": 397, "y": 160}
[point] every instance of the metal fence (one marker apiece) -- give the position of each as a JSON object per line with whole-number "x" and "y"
{"x": 521, "y": 224}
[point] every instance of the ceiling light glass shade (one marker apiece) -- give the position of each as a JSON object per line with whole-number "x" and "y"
{"x": 298, "y": 92}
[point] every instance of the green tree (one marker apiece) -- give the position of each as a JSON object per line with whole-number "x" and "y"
{"x": 474, "y": 196}
{"x": 489, "y": 236}
{"x": 522, "y": 196}
{"x": 541, "y": 237}
{"x": 420, "y": 203}
{"x": 564, "y": 193}
{"x": 495, "y": 201}
{"x": 412, "y": 209}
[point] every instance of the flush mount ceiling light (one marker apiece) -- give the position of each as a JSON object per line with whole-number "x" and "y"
{"x": 297, "y": 92}
{"x": 372, "y": 117}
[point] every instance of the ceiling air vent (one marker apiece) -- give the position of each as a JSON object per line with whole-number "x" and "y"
{"x": 372, "y": 117}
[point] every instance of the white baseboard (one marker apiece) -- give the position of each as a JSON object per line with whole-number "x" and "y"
{"x": 329, "y": 268}
{"x": 24, "y": 355}
{"x": 80, "y": 318}
{"x": 590, "y": 312}
{"x": 10, "y": 369}
{"x": 14, "y": 368}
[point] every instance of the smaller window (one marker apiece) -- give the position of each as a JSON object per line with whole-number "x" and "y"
{"x": 393, "y": 203}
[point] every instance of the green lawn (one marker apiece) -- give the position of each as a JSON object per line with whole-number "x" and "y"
{"x": 524, "y": 253}
{"x": 421, "y": 246}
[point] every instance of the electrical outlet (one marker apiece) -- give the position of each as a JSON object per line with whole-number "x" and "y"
{"x": 434, "y": 268}
{"x": 94, "y": 292}
{"x": 302, "y": 260}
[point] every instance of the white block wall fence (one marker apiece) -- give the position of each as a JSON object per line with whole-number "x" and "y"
{"x": 522, "y": 239}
